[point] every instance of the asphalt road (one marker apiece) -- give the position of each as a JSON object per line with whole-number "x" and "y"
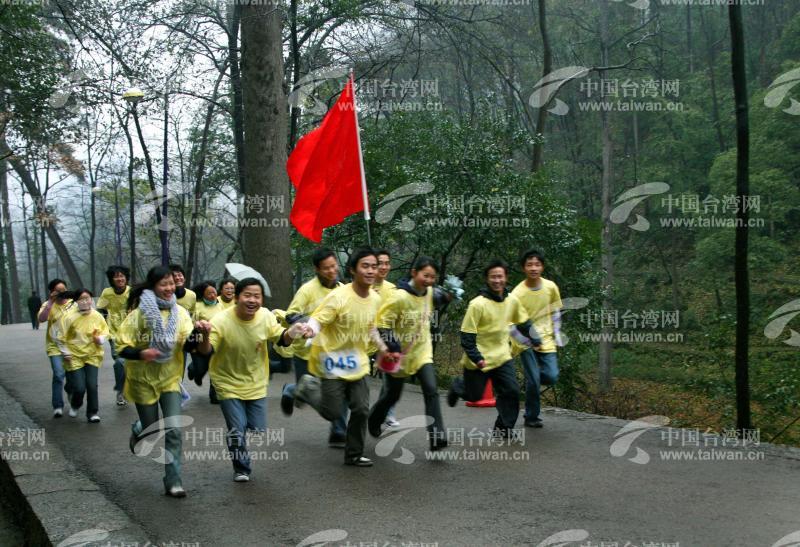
{"x": 573, "y": 478}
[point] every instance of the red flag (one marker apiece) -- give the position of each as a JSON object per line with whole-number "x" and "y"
{"x": 326, "y": 170}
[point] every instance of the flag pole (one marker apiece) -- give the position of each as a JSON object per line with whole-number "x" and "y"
{"x": 361, "y": 160}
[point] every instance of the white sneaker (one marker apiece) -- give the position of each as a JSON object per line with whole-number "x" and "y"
{"x": 308, "y": 390}
{"x": 58, "y": 412}
{"x": 241, "y": 477}
{"x": 72, "y": 412}
{"x": 94, "y": 418}
{"x": 391, "y": 422}
{"x": 120, "y": 399}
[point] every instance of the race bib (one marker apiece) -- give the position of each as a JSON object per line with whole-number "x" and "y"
{"x": 338, "y": 364}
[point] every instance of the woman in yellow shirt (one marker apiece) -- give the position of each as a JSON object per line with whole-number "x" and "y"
{"x": 153, "y": 339}
{"x": 227, "y": 292}
{"x": 51, "y": 312}
{"x": 404, "y": 322}
{"x": 206, "y": 307}
{"x": 82, "y": 334}
{"x": 113, "y": 305}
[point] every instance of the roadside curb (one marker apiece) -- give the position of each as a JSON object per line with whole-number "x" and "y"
{"x": 55, "y": 503}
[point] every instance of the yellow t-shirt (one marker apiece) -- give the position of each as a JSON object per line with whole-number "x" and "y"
{"x": 539, "y": 304}
{"x": 188, "y": 301}
{"x": 240, "y": 363}
{"x": 53, "y": 322}
{"x": 409, "y": 317}
{"x": 306, "y": 299}
{"x": 384, "y": 289}
{"x": 116, "y": 305}
{"x": 145, "y": 382}
{"x": 77, "y": 332}
{"x": 490, "y": 320}
{"x": 204, "y": 312}
{"x": 340, "y": 349}
{"x": 226, "y": 305}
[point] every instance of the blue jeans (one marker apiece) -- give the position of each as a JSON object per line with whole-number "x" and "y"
{"x": 57, "y": 364}
{"x": 170, "y": 403}
{"x": 339, "y": 425}
{"x": 540, "y": 369}
{"x": 80, "y": 383}
{"x": 119, "y": 367}
{"x": 241, "y": 416}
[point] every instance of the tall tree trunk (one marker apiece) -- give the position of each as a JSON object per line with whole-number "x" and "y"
{"x": 295, "y": 52}
{"x": 741, "y": 279}
{"x": 266, "y": 248}
{"x": 710, "y": 57}
{"x": 234, "y": 21}
{"x": 93, "y": 213}
{"x": 689, "y": 37}
{"x": 547, "y": 67}
{"x": 151, "y": 181}
{"x": 131, "y": 198}
{"x": 11, "y": 253}
{"x": 604, "y": 357}
{"x": 50, "y": 228}
{"x": 5, "y": 296}
{"x": 33, "y": 272}
{"x": 163, "y": 226}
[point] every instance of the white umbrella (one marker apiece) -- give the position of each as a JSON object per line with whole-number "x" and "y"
{"x": 241, "y": 271}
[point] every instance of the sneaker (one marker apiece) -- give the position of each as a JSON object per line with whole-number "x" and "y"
{"x": 438, "y": 444}
{"x": 120, "y": 399}
{"x": 176, "y": 491}
{"x": 132, "y": 442}
{"x": 391, "y": 421}
{"x": 336, "y": 440}
{"x": 536, "y": 422}
{"x": 241, "y": 477}
{"x": 287, "y": 402}
{"x": 452, "y": 397}
{"x": 358, "y": 461}
{"x": 72, "y": 412}
{"x": 58, "y": 412}
{"x": 94, "y": 419}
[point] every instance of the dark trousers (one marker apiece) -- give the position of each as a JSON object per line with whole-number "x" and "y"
{"x": 471, "y": 386}
{"x": 393, "y": 388}
{"x": 80, "y": 383}
{"x": 337, "y": 393}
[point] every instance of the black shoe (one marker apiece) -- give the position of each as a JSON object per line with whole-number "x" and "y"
{"x": 536, "y": 422}
{"x": 438, "y": 444}
{"x": 190, "y": 372}
{"x": 452, "y": 397}
{"x": 501, "y": 432}
{"x": 358, "y": 461}
{"x": 132, "y": 442}
{"x": 336, "y": 440}
{"x": 374, "y": 430}
{"x": 287, "y": 402}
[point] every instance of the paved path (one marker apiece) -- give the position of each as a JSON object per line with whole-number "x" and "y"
{"x": 562, "y": 478}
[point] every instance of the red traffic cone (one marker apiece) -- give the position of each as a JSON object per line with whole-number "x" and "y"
{"x": 488, "y": 397}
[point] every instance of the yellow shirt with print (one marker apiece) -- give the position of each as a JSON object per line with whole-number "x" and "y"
{"x": 76, "y": 333}
{"x": 539, "y": 304}
{"x": 409, "y": 317}
{"x": 240, "y": 363}
{"x": 340, "y": 349}
{"x": 53, "y": 322}
{"x": 307, "y": 298}
{"x": 490, "y": 321}
{"x": 116, "y": 305}
{"x": 145, "y": 382}
{"x": 188, "y": 301}
{"x": 204, "y": 312}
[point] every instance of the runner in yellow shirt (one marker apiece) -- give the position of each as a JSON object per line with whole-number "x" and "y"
{"x": 227, "y": 293}
{"x": 82, "y": 333}
{"x": 113, "y": 305}
{"x": 237, "y": 339}
{"x": 186, "y": 297}
{"x": 485, "y": 337}
{"x": 344, "y": 328}
{"x": 542, "y": 302}
{"x": 205, "y": 309}
{"x": 153, "y": 339}
{"x": 404, "y": 322}
{"x": 305, "y": 301}
{"x": 58, "y": 303}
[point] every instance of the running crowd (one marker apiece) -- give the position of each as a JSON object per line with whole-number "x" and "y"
{"x": 333, "y": 333}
